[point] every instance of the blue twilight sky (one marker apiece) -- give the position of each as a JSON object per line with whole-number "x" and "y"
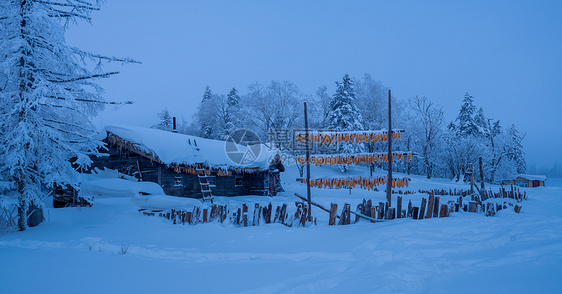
{"x": 507, "y": 54}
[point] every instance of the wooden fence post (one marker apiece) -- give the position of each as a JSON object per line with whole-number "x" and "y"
{"x": 415, "y": 210}
{"x": 481, "y": 174}
{"x": 245, "y": 214}
{"x": 257, "y": 210}
{"x": 368, "y": 209}
{"x": 283, "y": 214}
{"x": 430, "y": 206}
{"x": 472, "y": 206}
{"x": 399, "y": 207}
{"x": 267, "y": 213}
{"x": 409, "y": 213}
{"x": 436, "y": 207}
{"x": 188, "y": 217}
{"x": 422, "y": 208}
{"x": 345, "y": 218}
{"x": 277, "y": 212}
{"x": 204, "y": 215}
{"x": 471, "y": 179}
{"x": 444, "y": 211}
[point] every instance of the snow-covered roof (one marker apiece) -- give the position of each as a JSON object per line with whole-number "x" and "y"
{"x": 532, "y": 177}
{"x": 178, "y": 149}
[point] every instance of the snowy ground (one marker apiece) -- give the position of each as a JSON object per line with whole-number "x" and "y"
{"x": 80, "y": 250}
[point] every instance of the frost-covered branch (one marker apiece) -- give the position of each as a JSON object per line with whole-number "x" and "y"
{"x": 89, "y": 7}
{"x": 90, "y": 100}
{"x": 104, "y": 75}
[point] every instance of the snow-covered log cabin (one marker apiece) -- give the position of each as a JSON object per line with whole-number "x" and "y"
{"x": 530, "y": 181}
{"x": 189, "y": 166}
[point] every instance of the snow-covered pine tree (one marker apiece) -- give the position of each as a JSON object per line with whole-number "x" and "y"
{"x": 206, "y": 115}
{"x": 165, "y": 121}
{"x": 47, "y": 98}
{"x": 515, "y": 150}
{"x": 343, "y": 115}
{"x": 233, "y": 98}
{"x": 466, "y": 124}
{"x": 207, "y": 95}
{"x": 481, "y": 123}
{"x": 323, "y": 104}
{"x": 232, "y": 117}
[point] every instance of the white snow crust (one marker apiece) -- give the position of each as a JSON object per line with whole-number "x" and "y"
{"x": 113, "y": 248}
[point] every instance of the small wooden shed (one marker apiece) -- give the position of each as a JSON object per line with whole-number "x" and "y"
{"x": 530, "y": 181}
{"x": 184, "y": 165}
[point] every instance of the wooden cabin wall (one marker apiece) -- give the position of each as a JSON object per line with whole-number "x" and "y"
{"x": 179, "y": 184}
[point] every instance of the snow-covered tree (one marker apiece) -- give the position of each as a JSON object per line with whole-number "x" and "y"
{"x": 466, "y": 125}
{"x": 206, "y": 115}
{"x": 323, "y": 105}
{"x": 515, "y": 150}
{"x": 165, "y": 121}
{"x": 233, "y": 98}
{"x": 223, "y": 123}
{"x": 207, "y": 95}
{"x": 47, "y": 97}
{"x": 277, "y": 106}
{"x": 343, "y": 115}
{"x": 372, "y": 102}
{"x": 232, "y": 115}
{"x": 426, "y": 129}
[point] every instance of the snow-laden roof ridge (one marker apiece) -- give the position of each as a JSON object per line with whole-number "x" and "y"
{"x": 531, "y": 177}
{"x": 180, "y": 149}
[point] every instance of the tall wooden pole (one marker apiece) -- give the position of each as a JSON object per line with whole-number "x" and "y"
{"x": 471, "y": 179}
{"x": 481, "y": 175}
{"x": 307, "y": 164}
{"x": 389, "y": 176}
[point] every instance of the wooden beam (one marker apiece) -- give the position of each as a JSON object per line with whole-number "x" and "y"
{"x": 481, "y": 174}
{"x": 307, "y": 164}
{"x": 389, "y": 176}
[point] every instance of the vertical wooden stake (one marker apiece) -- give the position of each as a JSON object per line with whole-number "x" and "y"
{"x": 415, "y": 210}
{"x": 333, "y": 213}
{"x": 245, "y": 214}
{"x": 257, "y": 210}
{"x": 399, "y": 207}
{"x": 436, "y": 207}
{"x": 471, "y": 179}
{"x": 430, "y": 206}
{"x": 389, "y": 176}
{"x": 422, "y": 208}
{"x": 481, "y": 174}
{"x": 307, "y": 164}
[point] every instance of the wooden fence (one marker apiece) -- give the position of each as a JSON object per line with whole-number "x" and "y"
{"x": 431, "y": 207}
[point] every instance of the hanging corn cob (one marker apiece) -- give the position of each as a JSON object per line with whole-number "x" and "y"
{"x": 351, "y": 182}
{"x": 357, "y": 158}
{"x": 352, "y": 137}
